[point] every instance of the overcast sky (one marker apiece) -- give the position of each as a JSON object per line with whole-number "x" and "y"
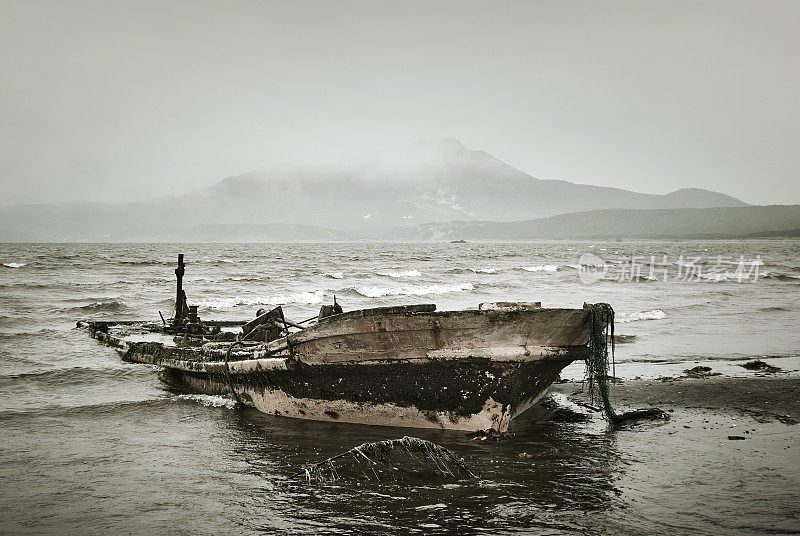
{"x": 137, "y": 98}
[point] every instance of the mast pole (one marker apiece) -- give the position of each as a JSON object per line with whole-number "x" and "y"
{"x": 179, "y": 311}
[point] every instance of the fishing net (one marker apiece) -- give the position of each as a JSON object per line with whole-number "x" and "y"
{"x": 390, "y": 459}
{"x": 601, "y": 330}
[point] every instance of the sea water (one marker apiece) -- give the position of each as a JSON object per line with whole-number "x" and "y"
{"x": 94, "y": 445}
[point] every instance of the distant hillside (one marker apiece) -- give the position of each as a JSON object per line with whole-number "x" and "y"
{"x": 430, "y": 181}
{"x": 727, "y": 222}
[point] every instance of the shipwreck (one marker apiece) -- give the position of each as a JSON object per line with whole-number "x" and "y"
{"x": 408, "y": 365}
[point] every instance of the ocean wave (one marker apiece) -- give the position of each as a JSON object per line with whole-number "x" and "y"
{"x": 542, "y": 268}
{"x": 110, "y": 306}
{"x": 652, "y": 314}
{"x": 780, "y": 277}
{"x": 301, "y": 298}
{"x": 774, "y": 309}
{"x": 377, "y": 292}
{"x": 74, "y": 375}
{"x": 39, "y": 333}
{"x": 629, "y": 278}
{"x": 334, "y": 275}
{"x": 31, "y": 285}
{"x": 227, "y": 303}
{"x": 401, "y": 273}
{"x": 14, "y": 264}
{"x": 472, "y": 271}
{"x": 745, "y": 277}
{"x": 705, "y": 359}
{"x": 146, "y": 262}
{"x": 212, "y": 401}
{"x": 84, "y": 410}
{"x": 619, "y": 338}
{"x": 718, "y": 278}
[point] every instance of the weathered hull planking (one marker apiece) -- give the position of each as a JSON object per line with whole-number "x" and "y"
{"x": 403, "y": 366}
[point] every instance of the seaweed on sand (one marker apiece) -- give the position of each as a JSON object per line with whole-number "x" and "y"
{"x": 760, "y": 366}
{"x": 601, "y": 330}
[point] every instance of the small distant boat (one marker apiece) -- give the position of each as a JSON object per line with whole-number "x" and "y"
{"x": 408, "y": 365}
{"x": 458, "y": 241}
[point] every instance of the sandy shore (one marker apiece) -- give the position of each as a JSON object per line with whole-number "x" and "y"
{"x": 765, "y": 399}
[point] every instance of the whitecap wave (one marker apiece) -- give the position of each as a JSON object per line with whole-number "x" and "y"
{"x": 302, "y": 298}
{"x": 209, "y": 400}
{"x": 14, "y": 264}
{"x": 565, "y": 402}
{"x": 402, "y": 273}
{"x": 652, "y": 314}
{"x": 472, "y": 271}
{"x": 334, "y": 275}
{"x": 377, "y": 292}
{"x": 543, "y": 268}
{"x": 227, "y": 303}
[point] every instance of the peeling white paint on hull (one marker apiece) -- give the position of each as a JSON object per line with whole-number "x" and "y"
{"x": 492, "y": 414}
{"x": 279, "y": 403}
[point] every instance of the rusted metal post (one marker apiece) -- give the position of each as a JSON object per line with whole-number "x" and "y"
{"x": 179, "y": 299}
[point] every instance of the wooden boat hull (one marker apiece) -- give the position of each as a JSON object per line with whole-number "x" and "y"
{"x": 461, "y": 396}
{"x": 411, "y": 367}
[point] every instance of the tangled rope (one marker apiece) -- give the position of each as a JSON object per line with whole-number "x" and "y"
{"x": 601, "y": 329}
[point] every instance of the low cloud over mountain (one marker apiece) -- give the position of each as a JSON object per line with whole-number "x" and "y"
{"x": 429, "y": 181}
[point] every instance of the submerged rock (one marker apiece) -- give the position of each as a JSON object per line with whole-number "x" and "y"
{"x": 391, "y": 459}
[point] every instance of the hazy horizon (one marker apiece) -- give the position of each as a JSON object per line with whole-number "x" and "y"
{"x": 131, "y": 101}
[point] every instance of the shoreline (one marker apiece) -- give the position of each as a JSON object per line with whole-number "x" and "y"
{"x": 764, "y": 398}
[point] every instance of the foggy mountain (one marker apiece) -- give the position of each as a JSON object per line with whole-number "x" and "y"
{"x": 429, "y": 181}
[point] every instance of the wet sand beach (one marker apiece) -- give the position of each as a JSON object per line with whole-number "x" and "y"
{"x": 725, "y": 462}
{"x": 764, "y": 399}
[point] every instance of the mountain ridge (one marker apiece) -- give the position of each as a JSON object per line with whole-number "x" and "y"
{"x": 682, "y": 223}
{"x": 429, "y": 181}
